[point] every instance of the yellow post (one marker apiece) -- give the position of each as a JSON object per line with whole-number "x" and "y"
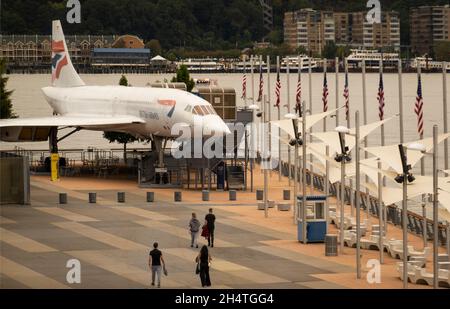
{"x": 54, "y": 166}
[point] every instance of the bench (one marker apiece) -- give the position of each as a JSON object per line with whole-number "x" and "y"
{"x": 284, "y": 207}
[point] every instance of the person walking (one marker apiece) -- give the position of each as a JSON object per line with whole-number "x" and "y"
{"x": 210, "y": 219}
{"x": 203, "y": 260}
{"x": 156, "y": 264}
{"x": 194, "y": 228}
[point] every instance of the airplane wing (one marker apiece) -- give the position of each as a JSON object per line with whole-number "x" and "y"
{"x": 37, "y": 129}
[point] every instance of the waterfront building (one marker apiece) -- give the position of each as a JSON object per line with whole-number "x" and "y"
{"x": 312, "y": 29}
{"x": 33, "y": 52}
{"x": 120, "y": 58}
{"x": 428, "y": 26}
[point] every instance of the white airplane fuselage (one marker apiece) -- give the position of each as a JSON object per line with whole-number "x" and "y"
{"x": 160, "y": 108}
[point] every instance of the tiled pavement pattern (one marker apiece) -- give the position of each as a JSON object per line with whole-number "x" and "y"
{"x": 112, "y": 241}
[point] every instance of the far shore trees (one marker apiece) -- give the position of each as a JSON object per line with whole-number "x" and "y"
{"x": 184, "y": 77}
{"x": 6, "y": 110}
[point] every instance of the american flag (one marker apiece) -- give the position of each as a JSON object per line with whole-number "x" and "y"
{"x": 419, "y": 108}
{"x": 244, "y": 83}
{"x": 261, "y": 84}
{"x": 325, "y": 93}
{"x": 278, "y": 91}
{"x": 346, "y": 97}
{"x": 298, "y": 97}
{"x": 380, "y": 98}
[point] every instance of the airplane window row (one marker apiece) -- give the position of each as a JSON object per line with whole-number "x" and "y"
{"x": 202, "y": 110}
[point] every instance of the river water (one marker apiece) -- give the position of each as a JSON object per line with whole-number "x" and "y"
{"x": 28, "y": 101}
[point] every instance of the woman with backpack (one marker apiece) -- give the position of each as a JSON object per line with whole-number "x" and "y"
{"x": 194, "y": 228}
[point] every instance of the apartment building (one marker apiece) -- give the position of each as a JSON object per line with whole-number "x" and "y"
{"x": 428, "y": 26}
{"x": 313, "y": 29}
{"x": 310, "y": 29}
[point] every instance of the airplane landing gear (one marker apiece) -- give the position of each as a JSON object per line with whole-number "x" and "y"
{"x": 161, "y": 175}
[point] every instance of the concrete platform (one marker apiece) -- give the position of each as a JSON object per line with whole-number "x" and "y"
{"x": 112, "y": 240}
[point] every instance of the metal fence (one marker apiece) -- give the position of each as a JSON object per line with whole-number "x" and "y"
{"x": 416, "y": 223}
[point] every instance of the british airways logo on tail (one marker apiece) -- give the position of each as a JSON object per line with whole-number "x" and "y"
{"x": 59, "y": 59}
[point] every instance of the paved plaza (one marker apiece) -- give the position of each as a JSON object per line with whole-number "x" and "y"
{"x": 112, "y": 241}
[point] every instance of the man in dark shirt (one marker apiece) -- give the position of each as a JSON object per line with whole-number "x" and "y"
{"x": 210, "y": 222}
{"x": 156, "y": 263}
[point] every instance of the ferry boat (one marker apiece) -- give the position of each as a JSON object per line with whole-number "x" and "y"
{"x": 427, "y": 63}
{"x": 293, "y": 63}
{"x": 372, "y": 58}
{"x": 202, "y": 65}
{"x": 238, "y": 66}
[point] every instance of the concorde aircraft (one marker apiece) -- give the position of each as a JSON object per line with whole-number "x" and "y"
{"x": 148, "y": 113}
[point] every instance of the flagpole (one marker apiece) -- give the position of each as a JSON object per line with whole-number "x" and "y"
{"x": 324, "y": 74}
{"x": 252, "y": 62}
{"x": 422, "y": 173}
{"x": 348, "y": 126}
{"x": 400, "y": 100}
{"x": 245, "y": 73}
{"x": 300, "y": 112}
{"x": 268, "y": 107}
{"x": 337, "y": 91}
{"x": 311, "y": 129}
{"x": 363, "y": 67}
{"x": 252, "y": 159}
{"x": 382, "y": 126}
{"x": 279, "y": 130}
{"x": 288, "y": 74}
{"x": 444, "y": 81}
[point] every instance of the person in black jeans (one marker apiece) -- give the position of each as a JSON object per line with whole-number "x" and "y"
{"x": 210, "y": 222}
{"x": 204, "y": 259}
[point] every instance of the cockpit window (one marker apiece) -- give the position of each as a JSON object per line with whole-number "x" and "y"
{"x": 188, "y": 108}
{"x": 205, "y": 110}
{"x": 197, "y": 110}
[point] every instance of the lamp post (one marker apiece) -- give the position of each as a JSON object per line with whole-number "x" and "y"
{"x": 404, "y": 178}
{"x": 264, "y": 159}
{"x": 342, "y": 158}
{"x": 422, "y": 149}
{"x": 300, "y": 140}
{"x": 296, "y": 141}
{"x": 358, "y": 197}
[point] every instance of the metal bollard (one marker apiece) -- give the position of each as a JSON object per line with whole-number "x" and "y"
{"x": 92, "y": 197}
{"x": 121, "y": 197}
{"x": 259, "y": 195}
{"x": 150, "y": 197}
{"x": 63, "y": 198}
{"x": 205, "y": 195}
{"x": 286, "y": 195}
{"x": 232, "y": 195}
{"x": 177, "y": 196}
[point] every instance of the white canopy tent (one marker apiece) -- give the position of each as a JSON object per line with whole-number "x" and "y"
{"x": 390, "y": 154}
{"x": 311, "y": 120}
{"x": 331, "y": 138}
{"x": 158, "y": 58}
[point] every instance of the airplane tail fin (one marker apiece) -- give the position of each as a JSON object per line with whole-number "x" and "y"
{"x": 63, "y": 72}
